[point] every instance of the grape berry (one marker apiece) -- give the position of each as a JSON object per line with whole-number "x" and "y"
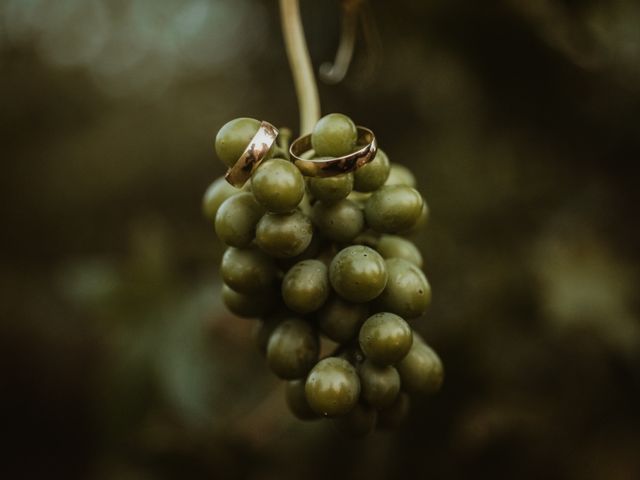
{"x": 322, "y": 261}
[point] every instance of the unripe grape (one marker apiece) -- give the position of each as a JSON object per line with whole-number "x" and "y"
{"x": 334, "y": 135}
{"x": 331, "y": 189}
{"x": 379, "y": 385}
{"x": 217, "y": 193}
{"x": 359, "y": 198}
{"x": 247, "y": 270}
{"x": 305, "y": 287}
{"x": 234, "y": 137}
{"x": 332, "y": 387}
{"x": 340, "y": 222}
{"x": 312, "y": 251}
{"x": 421, "y": 369}
{"x": 358, "y": 273}
{"x": 400, "y": 175}
{"x": 297, "y": 400}
{"x": 372, "y": 175}
{"x": 237, "y": 218}
{"x": 262, "y": 330}
{"x": 341, "y": 320}
{"x": 305, "y": 204}
{"x": 284, "y": 235}
{"x": 421, "y": 222}
{"x": 393, "y": 208}
{"x": 392, "y": 246}
{"x": 278, "y": 185}
{"x": 385, "y": 338}
{"x": 249, "y": 306}
{"x": 292, "y": 349}
{"x": 266, "y": 324}
{"x": 407, "y": 293}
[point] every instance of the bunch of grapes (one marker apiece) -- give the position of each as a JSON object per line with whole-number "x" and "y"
{"x": 324, "y": 265}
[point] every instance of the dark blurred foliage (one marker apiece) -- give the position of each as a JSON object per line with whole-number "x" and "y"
{"x": 522, "y": 123}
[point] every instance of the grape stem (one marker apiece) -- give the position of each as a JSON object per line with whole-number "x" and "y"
{"x": 282, "y": 145}
{"x": 300, "y": 64}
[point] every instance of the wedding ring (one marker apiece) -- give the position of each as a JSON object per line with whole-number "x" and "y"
{"x": 329, "y": 167}
{"x": 253, "y": 155}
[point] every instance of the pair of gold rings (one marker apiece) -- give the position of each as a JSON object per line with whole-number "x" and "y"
{"x": 265, "y": 137}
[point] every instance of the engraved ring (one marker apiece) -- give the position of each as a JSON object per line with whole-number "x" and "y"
{"x": 329, "y": 167}
{"x": 253, "y": 155}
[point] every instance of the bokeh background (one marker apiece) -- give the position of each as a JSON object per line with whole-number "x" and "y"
{"x": 521, "y": 121}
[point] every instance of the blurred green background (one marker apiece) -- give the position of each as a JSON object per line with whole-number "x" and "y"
{"x": 521, "y": 121}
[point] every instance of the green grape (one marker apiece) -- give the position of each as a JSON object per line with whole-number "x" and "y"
{"x": 393, "y": 208}
{"x": 421, "y": 222}
{"x": 407, "y": 293}
{"x": 393, "y": 416}
{"x": 400, "y": 175}
{"x": 284, "y": 235}
{"x": 266, "y": 324}
{"x": 359, "y": 422}
{"x": 278, "y": 185}
{"x": 359, "y": 198}
{"x": 332, "y": 387}
{"x": 340, "y": 222}
{"x": 341, "y": 320}
{"x": 392, "y": 246}
{"x": 247, "y": 270}
{"x": 234, "y": 137}
{"x": 305, "y": 204}
{"x": 312, "y": 251}
{"x": 372, "y": 176}
{"x": 217, "y": 193}
{"x": 358, "y": 273}
{"x": 297, "y": 400}
{"x": 262, "y": 330}
{"x": 421, "y": 370}
{"x": 334, "y": 135}
{"x": 380, "y": 385}
{"x": 331, "y": 189}
{"x": 385, "y": 338}
{"x": 236, "y": 220}
{"x": 248, "y": 306}
{"x": 305, "y": 287}
{"x": 292, "y": 349}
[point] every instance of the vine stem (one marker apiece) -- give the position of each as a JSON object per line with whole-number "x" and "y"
{"x": 300, "y": 64}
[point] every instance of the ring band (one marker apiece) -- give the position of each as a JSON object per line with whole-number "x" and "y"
{"x": 253, "y": 155}
{"x": 329, "y": 167}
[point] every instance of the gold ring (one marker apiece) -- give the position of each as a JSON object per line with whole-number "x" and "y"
{"x": 329, "y": 167}
{"x": 253, "y": 155}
